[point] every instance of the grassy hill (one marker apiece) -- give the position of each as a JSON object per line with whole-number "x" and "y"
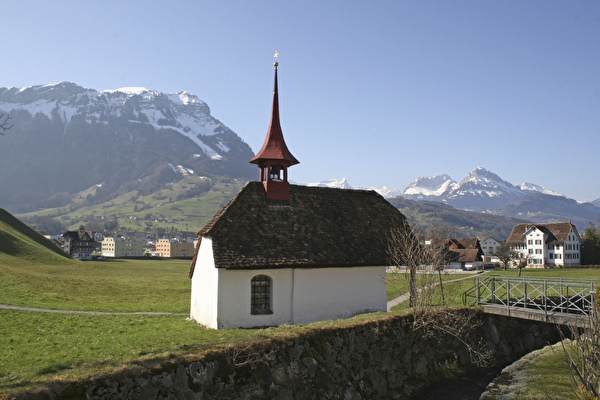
{"x": 18, "y": 241}
{"x": 184, "y": 205}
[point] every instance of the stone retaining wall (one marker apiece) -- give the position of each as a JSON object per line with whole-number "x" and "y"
{"x": 380, "y": 359}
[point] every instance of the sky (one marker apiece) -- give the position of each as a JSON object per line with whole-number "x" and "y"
{"x": 378, "y": 92}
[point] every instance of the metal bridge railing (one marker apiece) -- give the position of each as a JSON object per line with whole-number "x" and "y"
{"x": 565, "y": 295}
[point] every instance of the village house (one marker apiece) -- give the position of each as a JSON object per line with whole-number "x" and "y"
{"x": 547, "y": 245}
{"x": 465, "y": 253}
{"x": 78, "y": 244}
{"x": 97, "y": 236}
{"x": 490, "y": 246}
{"x": 286, "y": 254}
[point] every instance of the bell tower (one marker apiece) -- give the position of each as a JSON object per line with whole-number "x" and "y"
{"x": 274, "y": 158}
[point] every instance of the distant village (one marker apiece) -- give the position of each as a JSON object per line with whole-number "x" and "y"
{"x": 533, "y": 244}
{"x": 93, "y": 245}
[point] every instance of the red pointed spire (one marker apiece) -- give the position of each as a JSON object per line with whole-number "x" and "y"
{"x": 274, "y": 148}
{"x": 274, "y": 158}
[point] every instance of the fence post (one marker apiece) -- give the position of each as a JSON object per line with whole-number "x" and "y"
{"x": 508, "y": 296}
{"x": 568, "y": 299}
{"x": 546, "y": 299}
{"x": 525, "y": 291}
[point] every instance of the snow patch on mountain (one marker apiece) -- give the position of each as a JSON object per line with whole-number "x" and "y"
{"x": 343, "y": 184}
{"x": 384, "y": 191}
{"x": 332, "y": 183}
{"x": 531, "y": 187}
{"x": 181, "y": 169}
{"x": 181, "y": 112}
{"x": 430, "y": 186}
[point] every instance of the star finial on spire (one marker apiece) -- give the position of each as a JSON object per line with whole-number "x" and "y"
{"x": 276, "y": 64}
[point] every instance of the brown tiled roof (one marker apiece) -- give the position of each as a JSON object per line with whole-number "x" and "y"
{"x": 465, "y": 243}
{"x": 557, "y": 232}
{"x": 465, "y": 255}
{"x": 76, "y": 236}
{"x": 322, "y": 227}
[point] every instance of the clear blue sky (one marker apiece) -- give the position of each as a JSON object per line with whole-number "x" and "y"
{"x": 378, "y": 92}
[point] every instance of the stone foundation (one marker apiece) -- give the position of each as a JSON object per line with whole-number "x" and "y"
{"x": 386, "y": 358}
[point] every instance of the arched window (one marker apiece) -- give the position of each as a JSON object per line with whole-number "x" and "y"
{"x": 260, "y": 295}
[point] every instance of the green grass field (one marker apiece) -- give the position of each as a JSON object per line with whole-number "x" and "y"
{"x": 40, "y": 347}
{"x": 112, "y": 286}
{"x": 543, "y": 374}
{"x": 397, "y": 282}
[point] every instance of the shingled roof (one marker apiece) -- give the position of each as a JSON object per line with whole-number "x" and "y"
{"x": 465, "y": 243}
{"x": 465, "y": 255}
{"x": 557, "y": 232}
{"x": 322, "y": 227}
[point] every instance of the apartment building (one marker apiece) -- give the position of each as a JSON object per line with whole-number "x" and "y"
{"x": 122, "y": 247}
{"x": 174, "y": 248}
{"x": 547, "y": 245}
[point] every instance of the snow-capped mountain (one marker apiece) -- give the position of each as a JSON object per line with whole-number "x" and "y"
{"x": 66, "y": 138}
{"x": 332, "y": 183}
{"x": 483, "y": 190}
{"x": 429, "y": 187}
{"x": 532, "y": 188}
{"x": 480, "y": 190}
{"x": 181, "y": 112}
{"x": 343, "y": 184}
{"x": 384, "y": 191}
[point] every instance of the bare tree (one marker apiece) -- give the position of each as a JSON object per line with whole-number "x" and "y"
{"x": 422, "y": 252}
{"x": 521, "y": 262}
{"x": 506, "y": 254}
{"x": 4, "y": 125}
{"x": 582, "y": 354}
{"x": 419, "y": 248}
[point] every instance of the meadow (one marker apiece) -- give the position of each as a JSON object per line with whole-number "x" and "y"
{"x": 173, "y": 207}
{"x": 39, "y": 347}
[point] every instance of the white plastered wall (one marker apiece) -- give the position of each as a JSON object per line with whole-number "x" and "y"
{"x": 301, "y": 295}
{"x": 332, "y": 293}
{"x": 205, "y": 287}
{"x": 221, "y": 297}
{"x": 234, "y": 298}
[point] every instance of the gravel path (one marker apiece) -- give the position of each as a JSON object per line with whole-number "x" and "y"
{"x": 4, "y": 307}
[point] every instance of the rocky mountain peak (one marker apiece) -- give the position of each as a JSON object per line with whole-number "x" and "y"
{"x": 127, "y": 134}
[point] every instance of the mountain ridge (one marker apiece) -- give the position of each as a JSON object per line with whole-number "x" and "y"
{"x": 66, "y": 138}
{"x": 485, "y": 192}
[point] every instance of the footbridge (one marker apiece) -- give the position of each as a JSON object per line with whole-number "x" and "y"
{"x": 556, "y": 300}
